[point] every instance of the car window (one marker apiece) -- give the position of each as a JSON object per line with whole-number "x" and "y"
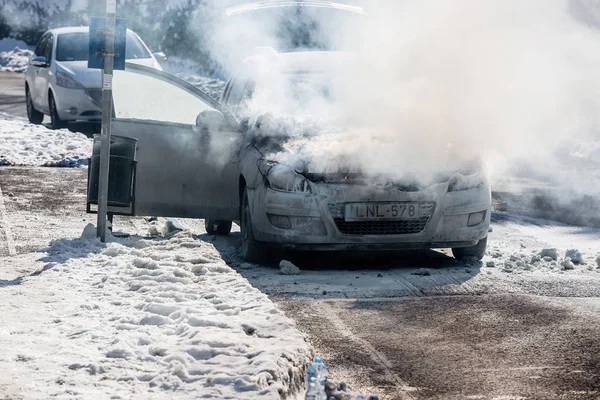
{"x": 146, "y": 94}
{"x": 135, "y": 48}
{"x": 41, "y": 47}
{"x": 75, "y": 47}
{"x": 48, "y": 48}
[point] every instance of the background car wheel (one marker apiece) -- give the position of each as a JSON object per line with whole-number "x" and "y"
{"x": 34, "y": 116}
{"x": 217, "y": 227}
{"x": 473, "y": 252}
{"x": 55, "y": 121}
{"x": 250, "y": 250}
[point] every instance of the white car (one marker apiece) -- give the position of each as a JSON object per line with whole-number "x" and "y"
{"x": 58, "y": 82}
{"x": 196, "y": 159}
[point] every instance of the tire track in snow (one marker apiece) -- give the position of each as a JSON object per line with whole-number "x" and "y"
{"x": 327, "y": 311}
{"x": 12, "y": 251}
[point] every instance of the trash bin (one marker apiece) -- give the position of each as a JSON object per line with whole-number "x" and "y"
{"x": 121, "y": 172}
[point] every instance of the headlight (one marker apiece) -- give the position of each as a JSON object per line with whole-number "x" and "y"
{"x": 283, "y": 177}
{"x": 460, "y": 182}
{"x": 67, "y": 81}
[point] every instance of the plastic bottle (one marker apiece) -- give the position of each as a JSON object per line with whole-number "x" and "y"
{"x": 316, "y": 373}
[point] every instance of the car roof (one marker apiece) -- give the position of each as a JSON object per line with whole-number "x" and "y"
{"x": 302, "y": 61}
{"x": 73, "y": 29}
{"x": 249, "y": 7}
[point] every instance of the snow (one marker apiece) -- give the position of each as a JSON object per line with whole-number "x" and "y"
{"x": 287, "y": 268}
{"x": 15, "y": 60}
{"x": 10, "y": 43}
{"x": 144, "y": 317}
{"x": 22, "y": 143}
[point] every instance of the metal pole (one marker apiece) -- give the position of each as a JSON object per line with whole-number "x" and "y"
{"x": 107, "y": 75}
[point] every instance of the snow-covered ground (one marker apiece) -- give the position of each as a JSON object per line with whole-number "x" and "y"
{"x": 15, "y": 60}
{"x": 143, "y": 318}
{"x": 22, "y": 143}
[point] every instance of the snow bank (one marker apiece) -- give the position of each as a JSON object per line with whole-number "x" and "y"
{"x": 140, "y": 318}
{"x": 15, "y": 60}
{"x": 539, "y": 260}
{"x": 22, "y": 143}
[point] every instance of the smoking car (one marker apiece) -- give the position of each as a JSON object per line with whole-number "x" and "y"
{"x": 58, "y": 82}
{"x": 197, "y": 158}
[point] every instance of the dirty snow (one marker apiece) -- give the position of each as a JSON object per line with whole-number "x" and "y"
{"x": 15, "y": 60}
{"x": 576, "y": 251}
{"x": 22, "y": 143}
{"x": 287, "y": 268}
{"x": 143, "y": 318}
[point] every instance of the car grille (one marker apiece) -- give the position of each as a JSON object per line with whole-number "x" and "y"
{"x": 405, "y": 227}
{"x": 95, "y": 95}
{"x": 398, "y": 227}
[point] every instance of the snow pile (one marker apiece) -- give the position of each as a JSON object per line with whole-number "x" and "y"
{"x": 15, "y": 60}
{"x": 213, "y": 87}
{"x": 145, "y": 318}
{"x": 545, "y": 260}
{"x": 22, "y": 143}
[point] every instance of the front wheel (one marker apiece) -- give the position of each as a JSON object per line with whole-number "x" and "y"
{"x": 474, "y": 252}
{"x": 55, "y": 121}
{"x": 34, "y": 116}
{"x": 250, "y": 250}
{"x": 217, "y": 227}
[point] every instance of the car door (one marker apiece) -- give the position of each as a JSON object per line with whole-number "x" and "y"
{"x": 183, "y": 169}
{"x": 36, "y": 82}
{"x": 44, "y": 74}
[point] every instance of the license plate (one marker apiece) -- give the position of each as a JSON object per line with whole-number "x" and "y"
{"x": 382, "y": 211}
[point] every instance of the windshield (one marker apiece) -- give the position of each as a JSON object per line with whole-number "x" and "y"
{"x": 74, "y": 47}
{"x": 299, "y": 93}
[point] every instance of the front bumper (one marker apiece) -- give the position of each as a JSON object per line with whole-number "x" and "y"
{"x": 78, "y": 104}
{"x": 313, "y": 221}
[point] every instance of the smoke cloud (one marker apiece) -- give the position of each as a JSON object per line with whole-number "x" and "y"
{"x": 513, "y": 82}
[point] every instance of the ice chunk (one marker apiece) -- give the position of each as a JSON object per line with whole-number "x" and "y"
{"x": 422, "y": 272}
{"x": 567, "y": 264}
{"x": 173, "y": 224}
{"x": 552, "y": 253}
{"x": 575, "y": 256}
{"x": 287, "y": 268}
{"x": 89, "y": 232}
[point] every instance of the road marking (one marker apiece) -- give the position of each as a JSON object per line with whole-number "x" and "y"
{"x": 328, "y": 312}
{"x": 12, "y": 251}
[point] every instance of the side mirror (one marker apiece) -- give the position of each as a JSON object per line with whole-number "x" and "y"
{"x": 39, "y": 61}
{"x": 160, "y": 56}
{"x": 210, "y": 119}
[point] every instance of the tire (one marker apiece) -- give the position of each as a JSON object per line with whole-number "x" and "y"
{"x": 250, "y": 250}
{"x": 474, "y": 252}
{"x": 34, "y": 116}
{"x": 55, "y": 121}
{"x": 217, "y": 227}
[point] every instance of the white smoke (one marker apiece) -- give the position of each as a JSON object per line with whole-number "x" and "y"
{"x": 505, "y": 80}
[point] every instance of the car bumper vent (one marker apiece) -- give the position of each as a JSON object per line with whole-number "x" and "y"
{"x": 405, "y": 227}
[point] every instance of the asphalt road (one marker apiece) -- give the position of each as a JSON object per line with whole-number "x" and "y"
{"x": 465, "y": 332}
{"x": 12, "y": 94}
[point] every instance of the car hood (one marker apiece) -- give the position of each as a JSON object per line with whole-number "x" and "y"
{"x": 92, "y": 78}
{"x": 359, "y": 156}
{"x": 89, "y": 78}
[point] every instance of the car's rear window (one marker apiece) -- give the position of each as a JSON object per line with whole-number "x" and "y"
{"x": 74, "y": 47}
